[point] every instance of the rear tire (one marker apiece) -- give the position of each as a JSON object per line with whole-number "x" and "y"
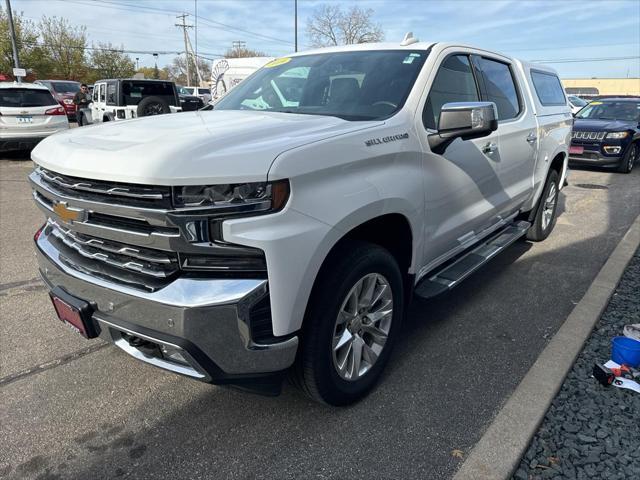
{"x": 630, "y": 158}
{"x": 546, "y": 217}
{"x": 343, "y": 371}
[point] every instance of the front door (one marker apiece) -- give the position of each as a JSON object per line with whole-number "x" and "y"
{"x": 463, "y": 193}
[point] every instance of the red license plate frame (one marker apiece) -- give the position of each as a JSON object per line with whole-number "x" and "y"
{"x": 75, "y": 313}
{"x": 576, "y": 149}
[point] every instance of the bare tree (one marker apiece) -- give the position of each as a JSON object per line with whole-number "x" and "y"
{"x": 330, "y": 25}
{"x": 177, "y": 70}
{"x": 243, "y": 52}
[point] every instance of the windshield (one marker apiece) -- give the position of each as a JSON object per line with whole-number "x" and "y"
{"x": 65, "y": 87}
{"x": 577, "y": 101}
{"x": 611, "y": 110}
{"x": 362, "y": 85}
{"x": 23, "y": 97}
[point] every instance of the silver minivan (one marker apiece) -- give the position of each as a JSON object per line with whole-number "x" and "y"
{"x": 28, "y": 113}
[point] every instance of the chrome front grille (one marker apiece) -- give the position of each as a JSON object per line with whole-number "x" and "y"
{"x": 588, "y": 136}
{"x": 102, "y": 230}
{"x": 149, "y": 262}
{"x": 121, "y": 233}
{"x": 132, "y": 194}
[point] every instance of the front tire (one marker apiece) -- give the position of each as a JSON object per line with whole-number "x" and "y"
{"x": 354, "y": 314}
{"x": 546, "y": 214}
{"x": 630, "y": 158}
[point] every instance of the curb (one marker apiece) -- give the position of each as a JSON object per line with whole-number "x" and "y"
{"x": 497, "y": 454}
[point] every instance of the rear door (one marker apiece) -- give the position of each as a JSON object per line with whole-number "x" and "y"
{"x": 517, "y": 129}
{"x": 98, "y": 105}
{"x": 29, "y": 111}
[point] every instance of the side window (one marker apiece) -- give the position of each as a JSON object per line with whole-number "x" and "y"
{"x": 454, "y": 82}
{"x": 111, "y": 94}
{"x": 102, "y": 92}
{"x": 96, "y": 88}
{"x": 500, "y": 87}
{"x": 548, "y": 88}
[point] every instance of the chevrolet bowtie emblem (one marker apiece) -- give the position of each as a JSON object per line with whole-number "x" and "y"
{"x": 69, "y": 214}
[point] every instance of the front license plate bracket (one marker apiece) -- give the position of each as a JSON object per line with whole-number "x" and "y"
{"x": 76, "y": 313}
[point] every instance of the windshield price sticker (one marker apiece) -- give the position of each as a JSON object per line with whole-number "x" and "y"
{"x": 278, "y": 62}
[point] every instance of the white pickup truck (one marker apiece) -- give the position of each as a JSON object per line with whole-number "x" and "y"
{"x": 237, "y": 244}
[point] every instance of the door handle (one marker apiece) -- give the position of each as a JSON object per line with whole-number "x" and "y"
{"x": 532, "y": 138}
{"x": 489, "y": 148}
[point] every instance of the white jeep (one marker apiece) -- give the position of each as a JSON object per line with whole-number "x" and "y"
{"x": 121, "y": 99}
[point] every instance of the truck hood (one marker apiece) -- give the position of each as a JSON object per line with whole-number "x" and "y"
{"x": 595, "y": 125}
{"x": 189, "y": 148}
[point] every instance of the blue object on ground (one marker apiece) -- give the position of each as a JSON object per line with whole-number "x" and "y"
{"x": 626, "y": 351}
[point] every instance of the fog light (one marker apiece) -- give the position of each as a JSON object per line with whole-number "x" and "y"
{"x": 612, "y": 150}
{"x": 173, "y": 354}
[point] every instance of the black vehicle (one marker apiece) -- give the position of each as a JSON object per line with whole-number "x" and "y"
{"x": 606, "y": 133}
{"x": 120, "y": 99}
{"x": 189, "y": 102}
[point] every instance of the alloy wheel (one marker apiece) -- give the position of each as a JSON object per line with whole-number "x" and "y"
{"x": 549, "y": 206}
{"x": 632, "y": 157}
{"x": 362, "y": 327}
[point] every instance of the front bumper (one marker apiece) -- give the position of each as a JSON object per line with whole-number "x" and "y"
{"x": 207, "y": 320}
{"x": 594, "y": 155}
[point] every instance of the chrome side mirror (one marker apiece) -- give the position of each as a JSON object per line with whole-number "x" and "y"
{"x": 466, "y": 120}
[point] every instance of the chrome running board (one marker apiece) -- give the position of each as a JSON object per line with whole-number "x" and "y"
{"x": 453, "y": 273}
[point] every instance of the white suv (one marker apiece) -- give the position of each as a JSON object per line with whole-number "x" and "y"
{"x": 28, "y": 113}
{"x": 267, "y": 235}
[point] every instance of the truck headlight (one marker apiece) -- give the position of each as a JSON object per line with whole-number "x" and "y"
{"x": 242, "y": 197}
{"x": 617, "y": 135}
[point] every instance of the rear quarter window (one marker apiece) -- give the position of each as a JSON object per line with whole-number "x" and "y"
{"x": 548, "y": 88}
{"x": 24, "y": 97}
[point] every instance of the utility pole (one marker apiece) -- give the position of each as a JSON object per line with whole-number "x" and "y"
{"x": 16, "y": 60}
{"x": 184, "y": 27}
{"x": 295, "y": 21}
{"x": 137, "y": 63}
{"x": 238, "y": 45}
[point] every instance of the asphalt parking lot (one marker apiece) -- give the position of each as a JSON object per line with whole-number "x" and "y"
{"x": 75, "y": 409}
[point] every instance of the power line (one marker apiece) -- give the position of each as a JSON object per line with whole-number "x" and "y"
{"x": 580, "y": 60}
{"x": 569, "y": 47}
{"x": 102, "y": 49}
{"x": 222, "y": 26}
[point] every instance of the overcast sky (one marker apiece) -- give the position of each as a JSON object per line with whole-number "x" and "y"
{"x": 529, "y": 29}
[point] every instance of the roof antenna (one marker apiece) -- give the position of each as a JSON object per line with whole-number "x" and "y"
{"x": 408, "y": 39}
